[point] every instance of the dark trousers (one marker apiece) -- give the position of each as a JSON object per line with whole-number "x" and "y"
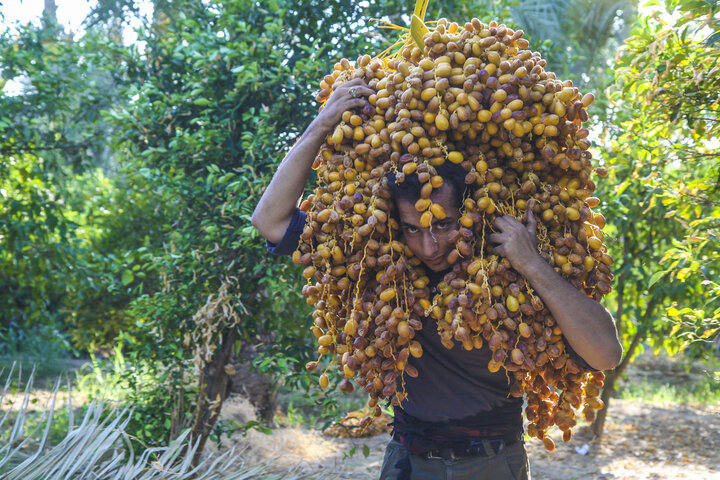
{"x": 511, "y": 463}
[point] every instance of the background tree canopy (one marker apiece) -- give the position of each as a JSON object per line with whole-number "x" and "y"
{"x": 130, "y": 172}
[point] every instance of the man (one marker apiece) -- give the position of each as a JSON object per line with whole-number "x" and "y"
{"x": 459, "y": 421}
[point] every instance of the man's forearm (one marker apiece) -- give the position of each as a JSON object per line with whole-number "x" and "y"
{"x": 587, "y": 325}
{"x": 274, "y": 211}
{"x": 277, "y": 204}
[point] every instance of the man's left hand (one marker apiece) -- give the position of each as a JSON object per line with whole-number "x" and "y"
{"x": 516, "y": 241}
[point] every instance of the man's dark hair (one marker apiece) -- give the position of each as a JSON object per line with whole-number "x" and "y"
{"x": 409, "y": 189}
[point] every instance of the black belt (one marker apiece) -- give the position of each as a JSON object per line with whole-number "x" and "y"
{"x": 474, "y": 449}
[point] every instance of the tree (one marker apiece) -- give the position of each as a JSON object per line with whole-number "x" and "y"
{"x": 227, "y": 87}
{"x": 664, "y": 176}
{"x": 63, "y": 247}
{"x": 577, "y": 38}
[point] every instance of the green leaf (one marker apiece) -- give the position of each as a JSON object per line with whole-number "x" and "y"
{"x": 366, "y": 450}
{"x": 712, "y": 40}
{"x": 709, "y": 332}
{"x": 683, "y": 273}
{"x": 655, "y": 277}
{"x": 127, "y": 277}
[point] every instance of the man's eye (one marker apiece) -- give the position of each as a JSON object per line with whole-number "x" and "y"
{"x": 443, "y": 225}
{"x": 412, "y": 230}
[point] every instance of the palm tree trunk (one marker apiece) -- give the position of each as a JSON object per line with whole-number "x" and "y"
{"x": 50, "y": 10}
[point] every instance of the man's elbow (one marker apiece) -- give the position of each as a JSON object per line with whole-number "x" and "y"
{"x": 616, "y": 356}
{"x": 613, "y": 350}
{"x": 269, "y": 231}
{"x": 259, "y": 225}
{"x": 611, "y": 359}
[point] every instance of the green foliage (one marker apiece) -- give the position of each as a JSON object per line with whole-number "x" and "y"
{"x": 40, "y": 344}
{"x": 305, "y": 403}
{"x": 115, "y": 225}
{"x": 67, "y": 86}
{"x": 34, "y": 243}
{"x": 315, "y": 408}
{"x": 662, "y": 380}
{"x": 353, "y": 450}
{"x": 161, "y": 400}
{"x": 665, "y": 175}
{"x": 51, "y": 181}
{"x": 577, "y": 38}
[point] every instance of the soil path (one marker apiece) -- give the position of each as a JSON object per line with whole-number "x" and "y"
{"x": 641, "y": 441}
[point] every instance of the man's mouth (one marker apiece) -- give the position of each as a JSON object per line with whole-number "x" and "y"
{"x": 435, "y": 260}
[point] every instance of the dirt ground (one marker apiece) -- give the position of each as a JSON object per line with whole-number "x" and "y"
{"x": 641, "y": 441}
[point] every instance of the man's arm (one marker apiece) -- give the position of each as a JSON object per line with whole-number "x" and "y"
{"x": 586, "y": 325}
{"x": 276, "y": 206}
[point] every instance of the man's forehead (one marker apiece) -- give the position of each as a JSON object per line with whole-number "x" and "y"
{"x": 443, "y": 196}
{"x": 409, "y": 216}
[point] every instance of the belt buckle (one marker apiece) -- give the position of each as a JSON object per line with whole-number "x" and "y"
{"x": 442, "y": 454}
{"x": 430, "y": 456}
{"x": 500, "y": 446}
{"x": 497, "y": 446}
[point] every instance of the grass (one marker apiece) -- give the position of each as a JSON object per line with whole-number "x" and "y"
{"x": 658, "y": 379}
{"x": 42, "y": 346}
{"x": 705, "y": 392}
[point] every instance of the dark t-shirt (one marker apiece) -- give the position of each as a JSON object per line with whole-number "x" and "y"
{"x": 452, "y": 384}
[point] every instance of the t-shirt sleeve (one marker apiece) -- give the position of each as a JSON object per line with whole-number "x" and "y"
{"x": 291, "y": 239}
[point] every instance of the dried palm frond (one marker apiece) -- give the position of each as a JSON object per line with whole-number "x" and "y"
{"x": 100, "y": 448}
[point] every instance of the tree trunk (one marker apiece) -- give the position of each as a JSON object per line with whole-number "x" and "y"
{"x": 213, "y": 391}
{"x": 621, "y": 289}
{"x": 50, "y": 11}
{"x": 259, "y": 388}
{"x": 49, "y": 19}
{"x": 611, "y": 377}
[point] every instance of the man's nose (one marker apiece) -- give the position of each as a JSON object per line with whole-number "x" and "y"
{"x": 429, "y": 244}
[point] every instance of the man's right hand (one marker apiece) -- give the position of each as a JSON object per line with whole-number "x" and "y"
{"x": 277, "y": 205}
{"x": 340, "y": 101}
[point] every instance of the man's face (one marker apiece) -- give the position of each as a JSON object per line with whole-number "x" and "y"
{"x": 431, "y": 245}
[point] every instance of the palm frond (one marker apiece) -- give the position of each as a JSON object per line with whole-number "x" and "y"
{"x": 541, "y": 19}
{"x": 100, "y": 448}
